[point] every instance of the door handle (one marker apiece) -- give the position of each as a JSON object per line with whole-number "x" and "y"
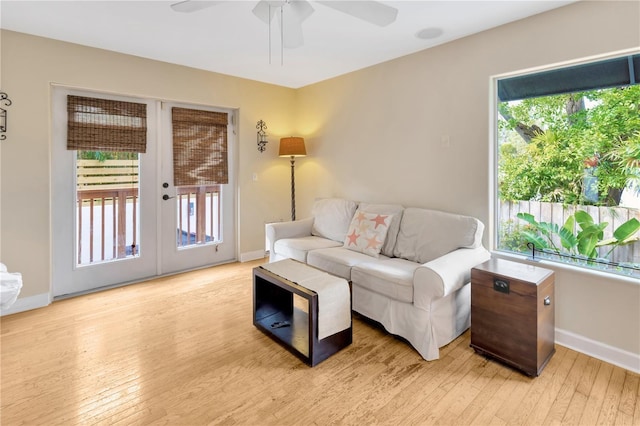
{"x": 166, "y": 197}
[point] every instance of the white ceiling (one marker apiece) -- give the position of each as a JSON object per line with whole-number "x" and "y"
{"x": 228, "y": 38}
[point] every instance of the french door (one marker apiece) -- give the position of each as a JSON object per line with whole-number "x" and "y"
{"x": 197, "y": 220}
{"x": 119, "y": 218}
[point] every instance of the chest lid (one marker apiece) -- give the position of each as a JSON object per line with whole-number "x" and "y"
{"x": 514, "y": 270}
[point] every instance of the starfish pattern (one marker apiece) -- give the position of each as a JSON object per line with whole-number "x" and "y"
{"x": 379, "y": 220}
{"x": 353, "y": 238}
{"x": 362, "y": 216}
{"x": 373, "y": 243}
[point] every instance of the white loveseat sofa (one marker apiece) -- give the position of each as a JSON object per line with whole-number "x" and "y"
{"x": 417, "y": 286}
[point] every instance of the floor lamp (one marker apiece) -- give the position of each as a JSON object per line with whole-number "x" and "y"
{"x": 292, "y": 147}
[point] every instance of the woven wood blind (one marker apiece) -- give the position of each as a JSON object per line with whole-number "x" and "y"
{"x": 106, "y": 125}
{"x": 199, "y": 147}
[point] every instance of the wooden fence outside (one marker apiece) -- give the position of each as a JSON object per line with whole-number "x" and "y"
{"x": 107, "y": 174}
{"x": 558, "y": 213}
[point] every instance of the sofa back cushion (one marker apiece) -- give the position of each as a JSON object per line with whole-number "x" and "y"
{"x": 331, "y": 218}
{"x": 428, "y": 234}
{"x": 392, "y": 234}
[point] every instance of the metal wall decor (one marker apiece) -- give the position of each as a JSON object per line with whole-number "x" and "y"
{"x": 262, "y": 135}
{"x": 5, "y": 101}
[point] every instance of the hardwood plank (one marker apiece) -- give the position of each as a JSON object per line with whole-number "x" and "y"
{"x": 596, "y": 396}
{"x": 183, "y": 350}
{"x": 611, "y": 400}
{"x": 630, "y": 394}
{"x": 454, "y": 404}
{"x": 505, "y": 378}
{"x": 574, "y": 410}
{"x": 519, "y": 386}
{"x": 588, "y": 376}
{"x": 413, "y": 397}
{"x": 537, "y": 387}
{"x": 562, "y": 401}
{"x": 550, "y": 394}
{"x": 636, "y": 413}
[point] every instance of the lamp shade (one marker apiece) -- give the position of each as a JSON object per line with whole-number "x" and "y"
{"x": 292, "y": 147}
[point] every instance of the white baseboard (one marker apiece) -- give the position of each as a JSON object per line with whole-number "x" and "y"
{"x": 27, "y": 303}
{"x": 252, "y": 255}
{"x": 627, "y": 360}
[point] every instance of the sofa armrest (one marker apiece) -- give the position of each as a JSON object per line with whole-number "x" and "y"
{"x": 446, "y": 274}
{"x": 292, "y": 229}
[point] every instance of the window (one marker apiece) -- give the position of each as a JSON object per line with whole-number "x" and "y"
{"x": 568, "y": 165}
{"x": 200, "y": 169}
{"x": 108, "y": 136}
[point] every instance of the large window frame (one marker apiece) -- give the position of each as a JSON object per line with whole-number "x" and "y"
{"x": 497, "y": 89}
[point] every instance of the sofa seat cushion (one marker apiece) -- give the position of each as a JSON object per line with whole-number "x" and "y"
{"x": 339, "y": 260}
{"x": 297, "y": 248}
{"x": 391, "y": 277}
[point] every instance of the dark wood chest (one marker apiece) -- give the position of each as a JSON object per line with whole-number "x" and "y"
{"x": 512, "y": 314}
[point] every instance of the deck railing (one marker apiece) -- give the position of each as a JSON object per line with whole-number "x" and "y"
{"x": 107, "y": 234}
{"x": 107, "y": 229}
{"x": 205, "y": 202}
{"x": 107, "y": 206}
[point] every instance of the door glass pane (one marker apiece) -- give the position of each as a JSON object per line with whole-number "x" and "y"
{"x": 198, "y": 215}
{"x": 107, "y": 206}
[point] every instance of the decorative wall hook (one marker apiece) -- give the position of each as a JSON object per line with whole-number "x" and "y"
{"x": 262, "y": 135}
{"x": 4, "y": 99}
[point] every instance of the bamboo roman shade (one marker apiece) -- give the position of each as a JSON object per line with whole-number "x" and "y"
{"x": 106, "y": 125}
{"x": 199, "y": 147}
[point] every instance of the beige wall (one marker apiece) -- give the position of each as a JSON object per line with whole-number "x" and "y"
{"x": 372, "y": 135}
{"x": 31, "y": 64}
{"x": 376, "y": 135}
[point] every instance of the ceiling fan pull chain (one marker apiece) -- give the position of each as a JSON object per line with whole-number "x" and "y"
{"x": 281, "y": 35}
{"x": 269, "y": 34}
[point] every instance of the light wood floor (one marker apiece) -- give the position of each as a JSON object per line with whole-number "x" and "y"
{"x": 182, "y": 350}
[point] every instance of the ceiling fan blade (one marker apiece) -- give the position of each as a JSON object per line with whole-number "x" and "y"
{"x": 188, "y": 6}
{"x": 373, "y": 12}
{"x": 265, "y": 9}
{"x": 300, "y": 9}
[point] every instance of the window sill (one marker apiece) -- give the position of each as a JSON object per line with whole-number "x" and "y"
{"x": 565, "y": 267}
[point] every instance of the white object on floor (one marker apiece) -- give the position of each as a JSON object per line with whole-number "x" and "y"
{"x": 10, "y": 286}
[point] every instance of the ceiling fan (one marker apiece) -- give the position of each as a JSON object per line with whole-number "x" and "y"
{"x": 291, "y": 13}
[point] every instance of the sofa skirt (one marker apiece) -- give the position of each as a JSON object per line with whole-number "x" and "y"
{"x": 426, "y": 330}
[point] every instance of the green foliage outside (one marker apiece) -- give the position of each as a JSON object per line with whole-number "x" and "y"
{"x": 564, "y": 138}
{"x": 106, "y": 155}
{"x": 586, "y": 241}
{"x": 575, "y": 149}
{"x": 512, "y": 236}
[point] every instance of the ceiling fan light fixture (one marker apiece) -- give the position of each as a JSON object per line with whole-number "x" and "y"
{"x": 429, "y": 33}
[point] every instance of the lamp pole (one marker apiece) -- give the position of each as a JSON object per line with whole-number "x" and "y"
{"x": 292, "y": 147}
{"x": 293, "y": 189}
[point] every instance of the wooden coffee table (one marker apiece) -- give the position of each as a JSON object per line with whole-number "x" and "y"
{"x": 293, "y": 324}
